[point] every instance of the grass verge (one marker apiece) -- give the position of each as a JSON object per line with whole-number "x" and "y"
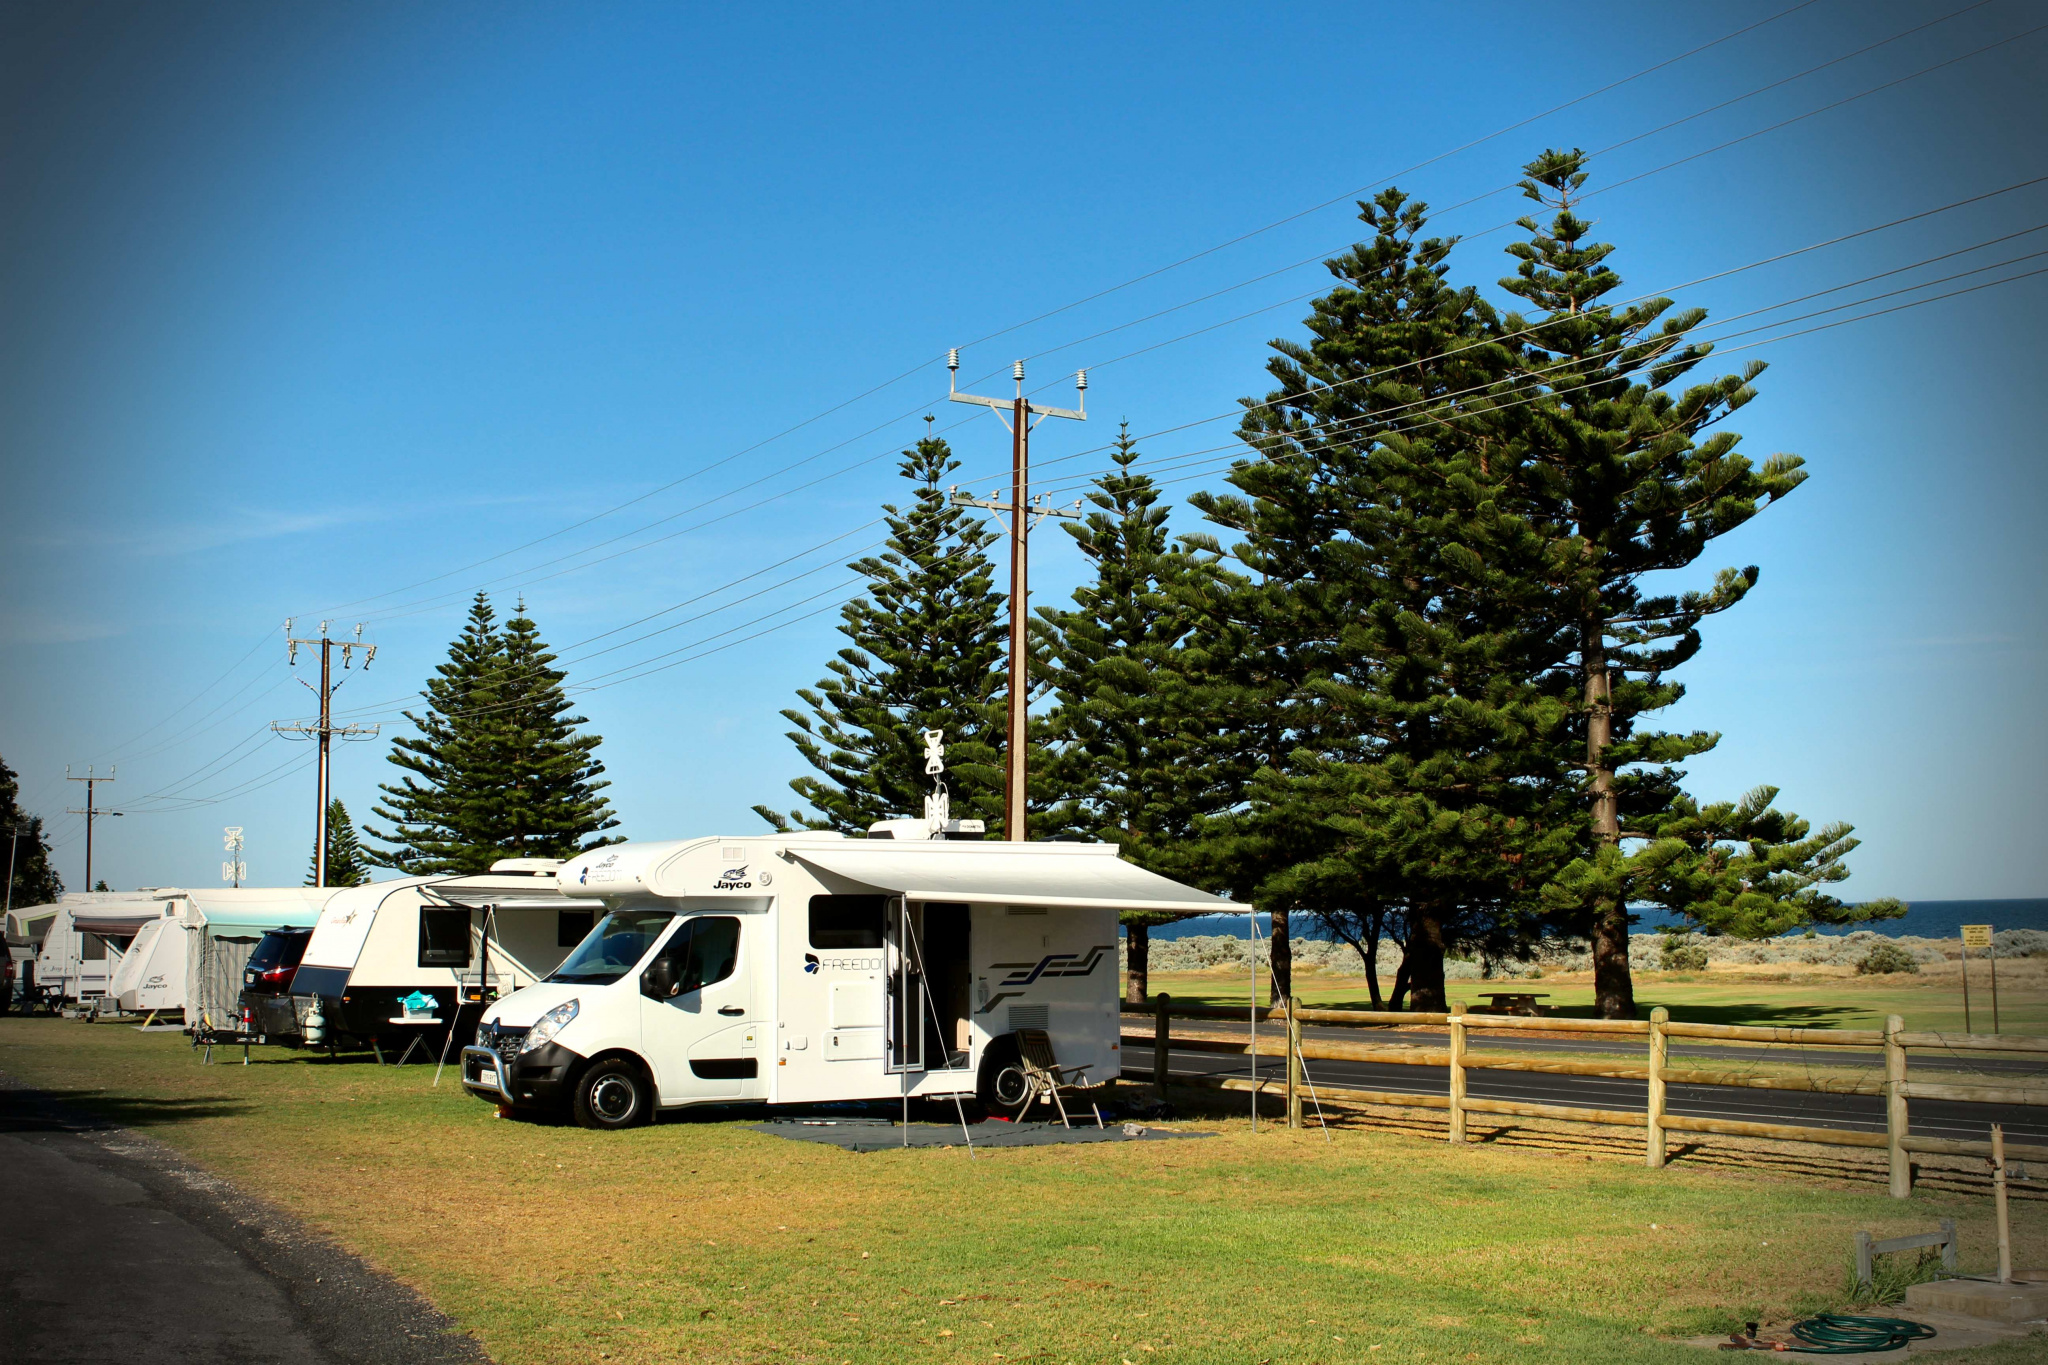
{"x": 704, "y": 1241}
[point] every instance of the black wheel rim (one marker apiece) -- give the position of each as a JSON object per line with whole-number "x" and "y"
{"x": 614, "y": 1098}
{"x": 1011, "y": 1087}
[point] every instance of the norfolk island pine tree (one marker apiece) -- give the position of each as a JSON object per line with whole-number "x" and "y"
{"x": 347, "y": 862}
{"x": 1132, "y": 768}
{"x": 498, "y": 769}
{"x": 926, "y": 646}
{"x": 1413, "y": 768}
{"x": 1625, "y": 479}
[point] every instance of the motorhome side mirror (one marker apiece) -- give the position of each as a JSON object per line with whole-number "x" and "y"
{"x": 658, "y": 982}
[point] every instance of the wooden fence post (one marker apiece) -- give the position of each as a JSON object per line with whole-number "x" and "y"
{"x": 1660, "y": 1059}
{"x": 1160, "y": 1040}
{"x": 1293, "y": 1062}
{"x": 1457, "y": 1023}
{"x": 1895, "y": 1120}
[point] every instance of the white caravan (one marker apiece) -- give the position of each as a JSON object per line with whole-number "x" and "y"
{"x": 85, "y": 941}
{"x": 151, "y": 975}
{"x": 806, "y": 968}
{"x": 472, "y": 937}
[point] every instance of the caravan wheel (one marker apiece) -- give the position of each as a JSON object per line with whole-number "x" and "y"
{"x": 613, "y": 1093}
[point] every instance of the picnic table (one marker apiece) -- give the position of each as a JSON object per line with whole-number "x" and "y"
{"x": 1512, "y": 1002}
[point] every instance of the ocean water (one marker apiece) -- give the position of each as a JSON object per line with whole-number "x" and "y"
{"x": 1923, "y": 919}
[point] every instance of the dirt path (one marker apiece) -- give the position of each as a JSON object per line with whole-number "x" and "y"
{"x": 115, "y": 1249}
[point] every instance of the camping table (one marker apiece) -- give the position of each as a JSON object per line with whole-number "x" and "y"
{"x": 405, "y": 1056}
{"x": 1515, "y": 1002}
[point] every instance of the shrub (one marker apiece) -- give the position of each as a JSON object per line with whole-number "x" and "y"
{"x": 1682, "y": 953}
{"x": 1886, "y": 957}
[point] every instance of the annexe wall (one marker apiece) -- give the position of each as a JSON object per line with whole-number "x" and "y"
{"x": 1656, "y": 1120}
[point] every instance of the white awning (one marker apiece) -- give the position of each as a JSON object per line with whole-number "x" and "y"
{"x": 29, "y": 924}
{"x": 1088, "y": 875}
{"x": 229, "y": 912}
{"x": 115, "y": 919}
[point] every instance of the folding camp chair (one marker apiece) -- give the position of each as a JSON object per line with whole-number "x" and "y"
{"x": 1043, "y": 1078}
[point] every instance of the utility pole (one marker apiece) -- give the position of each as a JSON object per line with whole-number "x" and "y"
{"x": 1022, "y": 515}
{"x": 91, "y": 781}
{"x": 324, "y": 730}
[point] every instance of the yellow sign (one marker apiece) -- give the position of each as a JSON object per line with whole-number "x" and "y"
{"x": 1976, "y": 936}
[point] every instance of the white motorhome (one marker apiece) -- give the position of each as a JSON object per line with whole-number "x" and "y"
{"x": 463, "y": 940}
{"x": 804, "y": 968}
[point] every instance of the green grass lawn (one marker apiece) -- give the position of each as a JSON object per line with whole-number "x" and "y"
{"x": 704, "y": 1241}
{"x": 1931, "y": 1001}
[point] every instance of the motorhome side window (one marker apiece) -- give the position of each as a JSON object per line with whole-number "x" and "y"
{"x": 573, "y": 926}
{"x": 705, "y": 950}
{"x": 847, "y": 921}
{"x": 444, "y": 937}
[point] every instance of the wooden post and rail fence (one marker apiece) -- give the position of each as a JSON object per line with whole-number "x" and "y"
{"x": 1657, "y": 1120}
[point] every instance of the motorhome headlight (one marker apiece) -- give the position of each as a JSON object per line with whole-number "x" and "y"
{"x": 551, "y": 1023}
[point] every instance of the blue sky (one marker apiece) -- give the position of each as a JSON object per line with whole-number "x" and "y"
{"x": 337, "y": 311}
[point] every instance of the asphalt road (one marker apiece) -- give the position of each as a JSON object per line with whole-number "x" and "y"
{"x": 113, "y": 1249}
{"x": 1928, "y": 1118}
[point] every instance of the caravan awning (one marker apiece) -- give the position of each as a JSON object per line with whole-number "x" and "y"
{"x": 28, "y": 925}
{"x": 1009, "y": 874}
{"x": 256, "y": 909}
{"x": 115, "y": 919}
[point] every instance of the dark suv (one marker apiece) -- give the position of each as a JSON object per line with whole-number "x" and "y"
{"x": 267, "y": 983}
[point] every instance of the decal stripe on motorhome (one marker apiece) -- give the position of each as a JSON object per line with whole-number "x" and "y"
{"x": 1053, "y": 964}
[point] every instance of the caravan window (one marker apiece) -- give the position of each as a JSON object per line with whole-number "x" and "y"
{"x": 444, "y": 937}
{"x": 847, "y": 921}
{"x": 614, "y": 948}
{"x": 92, "y": 948}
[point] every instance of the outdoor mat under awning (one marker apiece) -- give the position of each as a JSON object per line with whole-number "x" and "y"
{"x": 881, "y": 1135}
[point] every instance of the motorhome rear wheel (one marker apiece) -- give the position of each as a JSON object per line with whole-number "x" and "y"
{"x": 613, "y": 1093}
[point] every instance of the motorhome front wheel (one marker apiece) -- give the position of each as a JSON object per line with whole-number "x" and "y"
{"x": 612, "y": 1094}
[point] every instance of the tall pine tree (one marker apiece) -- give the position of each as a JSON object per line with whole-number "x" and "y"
{"x": 498, "y": 768}
{"x": 347, "y": 863}
{"x": 552, "y": 804}
{"x": 1415, "y": 766}
{"x": 1127, "y": 751}
{"x": 1622, "y": 469}
{"x": 35, "y": 881}
{"x": 925, "y": 652}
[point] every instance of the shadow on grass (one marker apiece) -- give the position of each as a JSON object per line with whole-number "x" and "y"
{"x": 38, "y": 1111}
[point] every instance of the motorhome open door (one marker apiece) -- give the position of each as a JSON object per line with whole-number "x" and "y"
{"x": 905, "y": 1037}
{"x": 926, "y": 954}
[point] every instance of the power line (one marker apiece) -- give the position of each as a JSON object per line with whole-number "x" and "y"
{"x": 1103, "y": 293}
{"x": 1276, "y": 223}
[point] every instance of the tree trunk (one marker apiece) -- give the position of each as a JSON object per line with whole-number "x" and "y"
{"x": 1614, "y": 991}
{"x": 1138, "y": 963}
{"x": 1424, "y": 960}
{"x": 1282, "y": 947}
{"x": 1371, "y": 953}
{"x": 1399, "y": 999}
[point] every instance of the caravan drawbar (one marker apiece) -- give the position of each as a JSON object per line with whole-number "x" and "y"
{"x": 806, "y": 968}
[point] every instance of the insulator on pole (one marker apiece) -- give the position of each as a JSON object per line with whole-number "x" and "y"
{"x": 1017, "y": 372}
{"x": 953, "y": 358}
{"x": 1081, "y": 380}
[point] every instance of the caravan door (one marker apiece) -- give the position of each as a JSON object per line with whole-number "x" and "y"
{"x": 703, "y": 1040}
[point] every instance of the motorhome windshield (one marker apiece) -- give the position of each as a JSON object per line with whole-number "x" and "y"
{"x": 612, "y": 949}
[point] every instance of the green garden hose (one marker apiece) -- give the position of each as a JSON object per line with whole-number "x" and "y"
{"x": 1837, "y": 1334}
